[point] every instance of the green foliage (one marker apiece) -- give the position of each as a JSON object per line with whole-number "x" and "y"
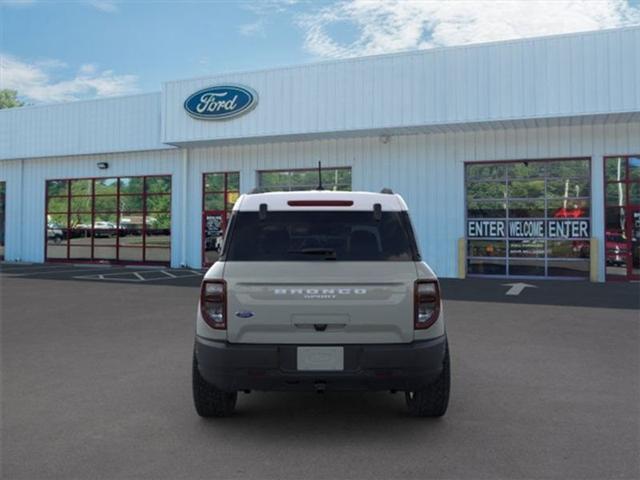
{"x": 9, "y": 99}
{"x": 495, "y": 190}
{"x": 131, "y": 185}
{"x": 130, "y": 204}
{"x": 332, "y": 179}
{"x": 158, "y": 184}
{"x": 158, "y": 203}
{"x": 81, "y": 187}
{"x": 106, "y": 186}
{"x": 214, "y": 182}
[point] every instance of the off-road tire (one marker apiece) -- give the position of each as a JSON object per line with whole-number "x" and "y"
{"x": 208, "y": 400}
{"x": 432, "y": 401}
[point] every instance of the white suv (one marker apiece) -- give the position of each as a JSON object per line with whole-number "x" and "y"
{"x": 318, "y": 291}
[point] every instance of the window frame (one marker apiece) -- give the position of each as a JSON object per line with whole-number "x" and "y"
{"x": 225, "y": 211}
{"x": 628, "y": 206}
{"x": 144, "y": 213}
{"x": 506, "y": 179}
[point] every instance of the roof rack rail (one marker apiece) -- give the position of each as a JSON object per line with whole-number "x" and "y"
{"x": 386, "y": 190}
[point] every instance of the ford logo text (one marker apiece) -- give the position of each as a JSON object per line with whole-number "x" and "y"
{"x": 221, "y": 102}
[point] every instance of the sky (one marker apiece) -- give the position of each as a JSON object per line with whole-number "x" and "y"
{"x": 58, "y": 51}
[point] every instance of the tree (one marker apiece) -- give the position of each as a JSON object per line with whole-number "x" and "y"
{"x": 9, "y": 99}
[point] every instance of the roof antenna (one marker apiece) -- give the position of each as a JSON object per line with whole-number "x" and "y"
{"x": 320, "y": 187}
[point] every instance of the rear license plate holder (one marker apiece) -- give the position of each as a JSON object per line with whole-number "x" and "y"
{"x": 319, "y": 359}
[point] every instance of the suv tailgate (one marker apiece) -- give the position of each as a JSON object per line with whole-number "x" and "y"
{"x": 328, "y": 303}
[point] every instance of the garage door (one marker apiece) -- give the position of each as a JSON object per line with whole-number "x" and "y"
{"x": 529, "y": 218}
{"x": 120, "y": 219}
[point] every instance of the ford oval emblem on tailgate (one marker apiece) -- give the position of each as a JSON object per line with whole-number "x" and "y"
{"x": 244, "y": 314}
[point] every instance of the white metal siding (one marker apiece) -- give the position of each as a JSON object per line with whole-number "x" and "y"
{"x": 575, "y": 76}
{"x": 97, "y": 126}
{"x": 426, "y": 169}
{"x": 568, "y": 75}
{"x": 11, "y": 174}
{"x": 26, "y": 205}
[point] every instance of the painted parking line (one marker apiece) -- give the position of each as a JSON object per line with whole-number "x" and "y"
{"x": 517, "y": 288}
{"x": 141, "y": 276}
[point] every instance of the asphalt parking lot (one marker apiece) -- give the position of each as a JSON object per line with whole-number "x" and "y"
{"x": 96, "y": 384}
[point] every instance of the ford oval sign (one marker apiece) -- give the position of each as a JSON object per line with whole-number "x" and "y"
{"x": 221, "y": 102}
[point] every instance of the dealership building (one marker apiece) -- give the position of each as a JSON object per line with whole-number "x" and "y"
{"x": 516, "y": 159}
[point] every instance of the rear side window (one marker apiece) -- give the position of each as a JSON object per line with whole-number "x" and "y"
{"x": 320, "y": 235}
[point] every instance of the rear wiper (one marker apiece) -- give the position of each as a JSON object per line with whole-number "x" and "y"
{"x": 330, "y": 253}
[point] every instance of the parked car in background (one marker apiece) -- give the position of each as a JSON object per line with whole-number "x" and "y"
{"x": 104, "y": 229}
{"x": 54, "y": 233}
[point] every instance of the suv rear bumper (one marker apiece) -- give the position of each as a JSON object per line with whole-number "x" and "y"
{"x": 233, "y": 367}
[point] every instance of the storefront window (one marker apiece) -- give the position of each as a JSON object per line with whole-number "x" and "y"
{"x": 486, "y": 208}
{"x": 486, "y": 248}
{"x": 529, "y": 218}
{"x": 489, "y": 266}
{"x": 622, "y": 217}
{"x": 288, "y": 180}
{"x": 220, "y": 192}
{"x": 634, "y": 168}
{"x": 109, "y": 219}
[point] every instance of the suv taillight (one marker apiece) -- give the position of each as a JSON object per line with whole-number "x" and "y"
{"x": 426, "y": 303}
{"x": 213, "y": 303}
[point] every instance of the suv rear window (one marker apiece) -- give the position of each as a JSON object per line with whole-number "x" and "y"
{"x": 320, "y": 235}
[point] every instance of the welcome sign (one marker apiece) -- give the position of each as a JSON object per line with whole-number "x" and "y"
{"x": 221, "y": 102}
{"x": 570, "y": 229}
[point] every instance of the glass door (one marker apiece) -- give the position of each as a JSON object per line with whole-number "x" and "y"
{"x": 213, "y": 226}
{"x": 634, "y": 244}
{"x": 622, "y": 217}
{"x": 219, "y": 193}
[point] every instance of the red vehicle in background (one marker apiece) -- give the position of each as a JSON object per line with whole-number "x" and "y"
{"x": 581, "y": 247}
{"x": 575, "y": 212}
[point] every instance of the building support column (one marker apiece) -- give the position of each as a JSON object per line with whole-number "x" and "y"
{"x": 462, "y": 258}
{"x": 184, "y": 208}
{"x": 594, "y": 260}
